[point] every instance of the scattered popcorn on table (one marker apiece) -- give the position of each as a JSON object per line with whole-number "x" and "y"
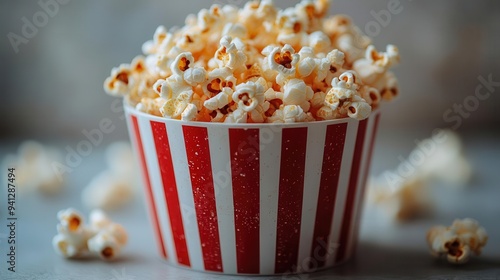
{"x": 114, "y": 187}
{"x": 34, "y": 170}
{"x": 406, "y": 196}
{"x": 458, "y": 241}
{"x": 71, "y": 240}
{"x": 300, "y": 57}
{"x": 102, "y": 237}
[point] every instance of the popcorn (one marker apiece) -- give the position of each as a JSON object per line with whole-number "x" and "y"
{"x": 230, "y": 54}
{"x": 406, "y": 200}
{"x": 191, "y": 73}
{"x": 374, "y": 66}
{"x": 71, "y": 240}
{"x": 109, "y": 238}
{"x": 289, "y": 114}
{"x": 35, "y": 171}
{"x": 218, "y": 80}
{"x": 296, "y": 92}
{"x": 458, "y": 241}
{"x": 75, "y": 239}
{"x": 151, "y": 106}
{"x": 319, "y": 42}
{"x": 248, "y": 96}
{"x": 120, "y": 82}
{"x": 406, "y": 197}
{"x": 282, "y": 60}
{"x": 114, "y": 187}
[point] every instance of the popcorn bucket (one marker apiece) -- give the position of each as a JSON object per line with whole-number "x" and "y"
{"x": 256, "y": 199}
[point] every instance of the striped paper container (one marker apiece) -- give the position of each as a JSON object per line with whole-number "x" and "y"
{"x": 256, "y": 199}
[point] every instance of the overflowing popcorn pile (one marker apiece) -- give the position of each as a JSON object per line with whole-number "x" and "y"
{"x": 259, "y": 64}
{"x": 102, "y": 237}
{"x": 458, "y": 241}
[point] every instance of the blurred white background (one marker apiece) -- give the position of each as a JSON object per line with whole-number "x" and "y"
{"x": 52, "y": 88}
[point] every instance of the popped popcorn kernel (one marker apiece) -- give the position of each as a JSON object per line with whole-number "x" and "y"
{"x": 102, "y": 237}
{"x": 194, "y": 70}
{"x": 37, "y": 168}
{"x": 458, "y": 241}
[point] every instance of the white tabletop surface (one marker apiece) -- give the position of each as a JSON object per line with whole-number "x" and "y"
{"x": 386, "y": 250}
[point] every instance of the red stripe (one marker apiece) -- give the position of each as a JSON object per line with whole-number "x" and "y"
{"x": 365, "y": 179}
{"x": 245, "y": 170}
{"x": 351, "y": 192}
{"x": 147, "y": 182}
{"x": 293, "y": 158}
{"x": 170, "y": 189}
{"x": 330, "y": 173}
{"x": 200, "y": 169}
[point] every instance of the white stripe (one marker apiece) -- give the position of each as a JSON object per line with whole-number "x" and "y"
{"x": 314, "y": 162}
{"x": 364, "y": 159}
{"x": 157, "y": 187}
{"x": 270, "y": 157}
{"x": 340, "y": 201}
{"x": 181, "y": 169}
{"x": 221, "y": 172}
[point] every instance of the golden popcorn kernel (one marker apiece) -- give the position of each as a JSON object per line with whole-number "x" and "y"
{"x": 123, "y": 77}
{"x": 139, "y": 67}
{"x": 184, "y": 63}
{"x": 297, "y": 27}
{"x": 107, "y": 253}
{"x": 454, "y": 248}
{"x": 245, "y": 98}
{"x": 333, "y": 69}
{"x": 284, "y": 59}
{"x": 74, "y": 223}
{"x": 273, "y": 106}
{"x": 215, "y": 86}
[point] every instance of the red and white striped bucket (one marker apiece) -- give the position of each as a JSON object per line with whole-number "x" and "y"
{"x": 254, "y": 198}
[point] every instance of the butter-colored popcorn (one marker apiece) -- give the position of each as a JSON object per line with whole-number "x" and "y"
{"x": 220, "y": 100}
{"x": 320, "y": 42}
{"x": 71, "y": 240}
{"x": 248, "y": 96}
{"x": 289, "y": 114}
{"x": 194, "y": 70}
{"x": 109, "y": 237}
{"x": 218, "y": 80}
{"x": 114, "y": 187}
{"x": 370, "y": 95}
{"x": 296, "y": 92}
{"x": 388, "y": 86}
{"x": 162, "y": 42}
{"x": 108, "y": 190}
{"x": 282, "y": 60}
{"x": 291, "y": 30}
{"x": 447, "y": 161}
{"x": 102, "y": 236}
{"x": 311, "y": 13}
{"x": 36, "y": 168}
{"x": 151, "y": 106}
{"x": 403, "y": 200}
{"x": 457, "y": 241}
{"x": 237, "y": 116}
{"x": 120, "y": 82}
{"x": 175, "y": 107}
{"x": 230, "y": 54}
{"x": 347, "y": 37}
{"x": 307, "y": 63}
{"x": 375, "y": 64}
{"x": 235, "y": 30}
